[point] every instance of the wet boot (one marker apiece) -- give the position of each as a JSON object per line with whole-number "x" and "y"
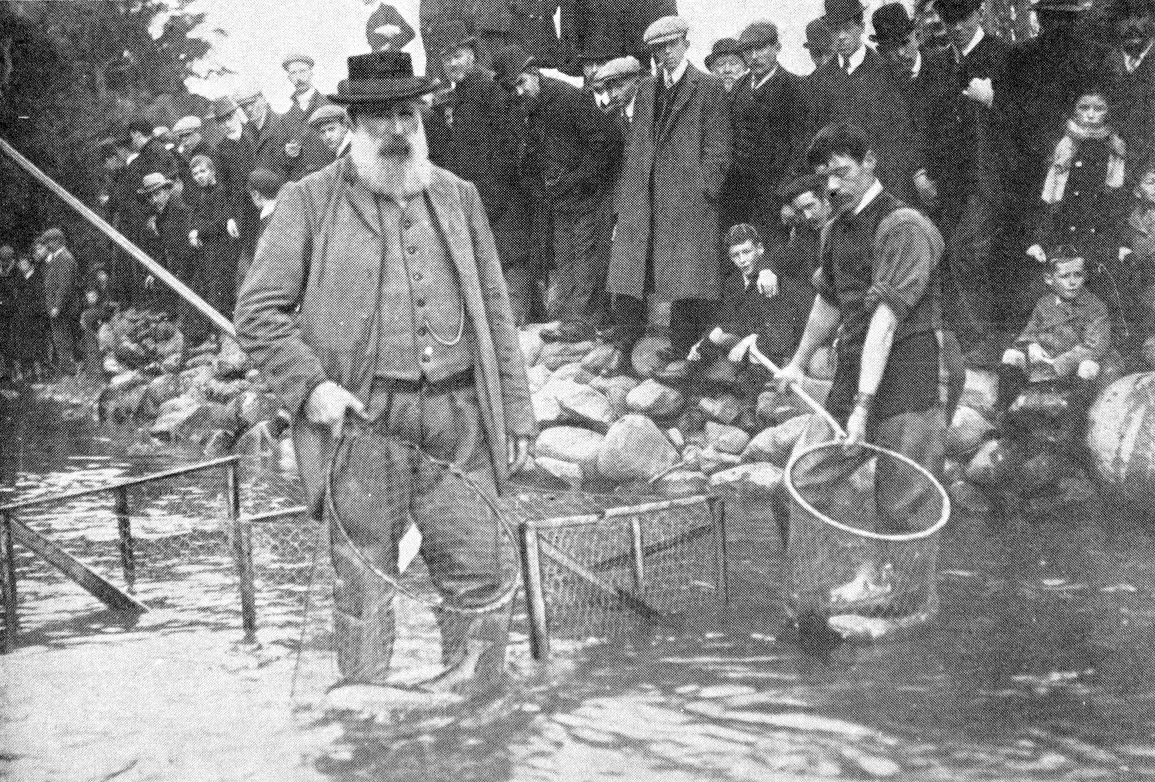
{"x": 363, "y": 621}
{"x": 472, "y": 651}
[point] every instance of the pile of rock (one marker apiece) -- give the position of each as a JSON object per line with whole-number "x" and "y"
{"x": 209, "y": 395}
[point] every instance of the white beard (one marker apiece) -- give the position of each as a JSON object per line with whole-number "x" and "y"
{"x": 398, "y": 178}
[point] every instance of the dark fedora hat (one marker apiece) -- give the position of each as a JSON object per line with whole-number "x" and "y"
{"x": 509, "y": 63}
{"x": 892, "y": 24}
{"x": 722, "y": 47}
{"x": 454, "y": 35}
{"x": 954, "y": 11}
{"x": 381, "y": 77}
{"x": 838, "y": 12}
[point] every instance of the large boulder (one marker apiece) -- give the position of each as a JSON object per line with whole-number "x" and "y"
{"x": 572, "y": 444}
{"x": 583, "y": 405}
{"x": 537, "y": 376}
{"x": 727, "y": 439}
{"x": 761, "y": 476}
{"x": 635, "y": 449}
{"x": 180, "y": 421}
{"x": 231, "y": 363}
{"x": 572, "y": 371}
{"x": 774, "y": 445}
{"x": 598, "y": 359}
{"x": 197, "y": 378}
{"x": 725, "y": 409}
{"x": 996, "y": 463}
{"x": 1121, "y": 437}
{"x": 623, "y": 382}
{"x": 127, "y": 380}
{"x": 567, "y": 473}
{"x": 645, "y": 358}
{"x": 654, "y": 399}
{"x": 709, "y": 459}
{"x": 255, "y": 406}
{"x": 163, "y": 388}
{"x": 967, "y": 431}
{"x": 682, "y": 483}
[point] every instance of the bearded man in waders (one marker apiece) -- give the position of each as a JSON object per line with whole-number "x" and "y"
{"x": 376, "y": 293}
{"x": 877, "y": 287}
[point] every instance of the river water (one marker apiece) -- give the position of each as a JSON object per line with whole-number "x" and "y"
{"x": 1038, "y": 666}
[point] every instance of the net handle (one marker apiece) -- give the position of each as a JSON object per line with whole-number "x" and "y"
{"x": 799, "y": 391}
{"x": 799, "y": 453}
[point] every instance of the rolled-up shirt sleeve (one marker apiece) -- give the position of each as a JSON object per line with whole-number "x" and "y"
{"x": 905, "y": 248}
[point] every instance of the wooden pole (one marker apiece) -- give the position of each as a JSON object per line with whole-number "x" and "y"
{"x": 124, "y": 530}
{"x": 242, "y": 551}
{"x": 534, "y": 593}
{"x": 8, "y": 586}
{"x": 155, "y": 269}
{"x": 797, "y": 388}
{"x": 721, "y": 558}
{"x": 637, "y": 549}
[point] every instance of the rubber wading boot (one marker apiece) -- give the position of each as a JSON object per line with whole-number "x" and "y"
{"x": 472, "y": 651}
{"x": 363, "y": 621}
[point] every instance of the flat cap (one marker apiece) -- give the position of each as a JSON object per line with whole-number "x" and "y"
{"x": 187, "y": 125}
{"x": 616, "y": 69}
{"x": 758, "y": 34}
{"x": 154, "y": 181}
{"x": 267, "y": 183}
{"x": 223, "y": 107}
{"x": 293, "y": 57}
{"x": 51, "y": 236}
{"x": 247, "y": 90}
{"x": 330, "y": 112}
{"x": 668, "y": 28}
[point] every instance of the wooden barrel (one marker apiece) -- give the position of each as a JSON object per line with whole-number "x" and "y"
{"x": 1121, "y": 436}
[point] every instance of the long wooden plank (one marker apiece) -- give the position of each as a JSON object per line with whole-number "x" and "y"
{"x": 93, "y": 583}
{"x": 624, "y": 596}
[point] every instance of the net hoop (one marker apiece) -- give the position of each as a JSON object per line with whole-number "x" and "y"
{"x": 506, "y": 595}
{"x": 788, "y": 479}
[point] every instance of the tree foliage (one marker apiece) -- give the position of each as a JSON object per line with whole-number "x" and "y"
{"x": 70, "y": 72}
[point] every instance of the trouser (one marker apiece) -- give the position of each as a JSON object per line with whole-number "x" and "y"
{"x": 90, "y": 322}
{"x": 60, "y": 332}
{"x": 460, "y": 535}
{"x": 689, "y": 319}
{"x": 579, "y": 264}
{"x": 967, "y": 294}
{"x": 905, "y": 500}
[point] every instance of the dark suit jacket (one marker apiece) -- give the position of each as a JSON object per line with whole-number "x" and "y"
{"x": 570, "y": 143}
{"x": 972, "y": 131}
{"x": 60, "y": 282}
{"x": 314, "y": 154}
{"x": 1133, "y": 113}
{"x": 269, "y": 145}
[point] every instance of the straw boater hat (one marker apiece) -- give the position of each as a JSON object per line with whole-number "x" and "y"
{"x": 153, "y": 182}
{"x": 668, "y": 28}
{"x": 327, "y": 113}
{"x": 381, "y": 77}
{"x": 723, "y": 47}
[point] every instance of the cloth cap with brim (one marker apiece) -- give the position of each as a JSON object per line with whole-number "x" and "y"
{"x": 455, "y": 35}
{"x": 186, "y": 125}
{"x": 818, "y": 35}
{"x": 327, "y": 113}
{"x": 297, "y": 57}
{"x": 892, "y": 24}
{"x": 223, "y": 108}
{"x": 757, "y": 35}
{"x": 954, "y": 11}
{"x": 839, "y": 12}
{"x": 379, "y": 78}
{"x": 246, "y": 92}
{"x": 668, "y": 28}
{"x": 51, "y": 236}
{"x": 723, "y": 47}
{"x": 509, "y": 63}
{"x": 617, "y": 68}
{"x": 153, "y": 182}
{"x": 267, "y": 183}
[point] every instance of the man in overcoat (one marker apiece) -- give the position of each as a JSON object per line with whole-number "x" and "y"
{"x": 1133, "y": 64}
{"x": 377, "y": 293}
{"x": 60, "y": 272}
{"x": 677, "y": 153}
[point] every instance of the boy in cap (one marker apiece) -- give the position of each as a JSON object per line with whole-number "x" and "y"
{"x": 330, "y": 121}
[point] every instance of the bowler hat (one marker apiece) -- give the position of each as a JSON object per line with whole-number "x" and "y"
{"x": 617, "y": 68}
{"x": 327, "y": 113}
{"x": 758, "y": 34}
{"x": 223, "y": 107}
{"x": 722, "y": 47}
{"x": 381, "y": 77}
{"x": 818, "y": 35}
{"x": 454, "y": 35}
{"x": 51, "y": 236}
{"x": 839, "y": 12}
{"x": 509, "y": 63}
{"x": 152, "y": 182}
{"x": 293, "y": 57}
{"x": 892, "y": 24}
{"x": 668, "y": 28}
{"x": 187, "y": 125}
{"x": 954, "y": 11}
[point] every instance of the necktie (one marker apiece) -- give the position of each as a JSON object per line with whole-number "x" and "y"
{"x": 845, "y": 64}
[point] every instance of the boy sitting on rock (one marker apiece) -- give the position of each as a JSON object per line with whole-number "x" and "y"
{"x": 1064, "y": 345}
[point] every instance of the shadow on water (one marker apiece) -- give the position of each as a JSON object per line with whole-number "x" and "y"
{"x": 1037, "y": 667}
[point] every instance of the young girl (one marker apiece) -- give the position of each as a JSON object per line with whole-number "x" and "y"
{"x": 1085, "y": 202}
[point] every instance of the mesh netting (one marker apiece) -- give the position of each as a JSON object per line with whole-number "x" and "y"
{"x": 863, "y": 536}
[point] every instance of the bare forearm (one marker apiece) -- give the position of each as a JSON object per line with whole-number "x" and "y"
{"x": 876, "y": 349}
{"x": 824, "y": 319}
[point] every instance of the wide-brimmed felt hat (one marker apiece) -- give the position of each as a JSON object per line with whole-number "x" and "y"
{"x": 381, "y": 77}
{"x": 758, "y": 34}
{"x": 454, "y": 35}
{"x": 509, "y": 63}
{"x": 668, "y": 28}
{"x": 153, "y": 182}
{"x": 723, "y": 47}
{"x": 617, "y": 68}
{"x": 818, "y": 35}
{"x": 954, "y": 11}
{"x": 892, "y": 24}
{"x": 838, "y": 12}
{"x": 223, "y": 107}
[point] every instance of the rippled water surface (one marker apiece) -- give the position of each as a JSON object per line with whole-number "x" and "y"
{"x": 1038, "y": 666}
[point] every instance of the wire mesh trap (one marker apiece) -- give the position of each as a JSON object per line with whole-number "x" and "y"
{"x": 595, "y": 566}
{"x": 845, "y": 562}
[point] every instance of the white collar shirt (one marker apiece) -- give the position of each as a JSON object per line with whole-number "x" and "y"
{"x": 872, "y": 192}
{"x": 672, "y": 78}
